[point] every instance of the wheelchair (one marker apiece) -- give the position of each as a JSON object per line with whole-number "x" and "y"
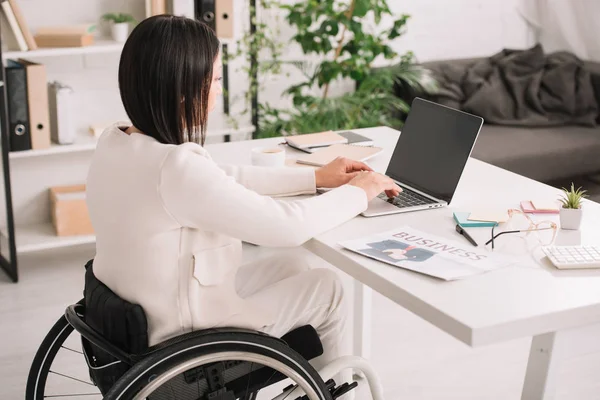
{"x": 106, "y": 337}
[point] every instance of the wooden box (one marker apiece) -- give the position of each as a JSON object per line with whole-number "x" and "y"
{"x": 69, "y": 211}
{"x": 64, "y": 40}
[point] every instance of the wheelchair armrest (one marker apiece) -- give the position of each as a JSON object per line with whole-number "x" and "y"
{"x": 305, "y": 341}
{"x": 76, "y": 321}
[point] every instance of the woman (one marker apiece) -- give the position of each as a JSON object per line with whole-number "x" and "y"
{"x": 169, "y": 220}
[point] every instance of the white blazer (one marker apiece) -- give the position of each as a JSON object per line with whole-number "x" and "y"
{"x": 169, "y": 221}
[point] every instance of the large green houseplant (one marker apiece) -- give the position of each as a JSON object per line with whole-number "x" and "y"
{"x": 346, "y": 37}
{"x": 339, "y": 34}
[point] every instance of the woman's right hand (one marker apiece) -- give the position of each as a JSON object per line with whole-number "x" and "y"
{"x": 373, "y": 184}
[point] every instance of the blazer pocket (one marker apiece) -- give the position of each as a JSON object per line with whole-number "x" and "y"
{"x": 212, "y": 265}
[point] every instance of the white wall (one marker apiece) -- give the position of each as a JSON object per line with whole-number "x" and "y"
{"x": 445, "y": 29}
{"x": 566, "y": 25}
{"x": 464, "y": 28}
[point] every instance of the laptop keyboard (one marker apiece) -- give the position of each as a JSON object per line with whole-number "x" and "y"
{"x": 407, "y": 198}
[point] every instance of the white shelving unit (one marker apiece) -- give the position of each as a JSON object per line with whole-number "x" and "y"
{"x": 88, "y": 143}
{"x": 99, "y": 46}
{"x": 82, "y": 143}
{"x": 43, "y": 237}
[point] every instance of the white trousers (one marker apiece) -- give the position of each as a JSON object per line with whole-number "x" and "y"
{"x": 298, "y": 295}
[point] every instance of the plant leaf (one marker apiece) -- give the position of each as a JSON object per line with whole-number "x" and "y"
{"x": 361, "y": 8}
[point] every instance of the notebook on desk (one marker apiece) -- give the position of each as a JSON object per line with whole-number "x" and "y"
{"x": 327, "y": 155}
{"x": 539, "y": 207}
{"x": 315, "y": 140}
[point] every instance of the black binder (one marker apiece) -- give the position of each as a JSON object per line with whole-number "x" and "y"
{"x": 18, "y": 112}
{"x": 205, "y": 12}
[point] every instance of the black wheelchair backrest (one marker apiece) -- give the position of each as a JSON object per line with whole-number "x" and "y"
{"x": 120, "y": 322}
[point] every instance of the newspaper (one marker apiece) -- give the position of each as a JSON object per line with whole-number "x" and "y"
{"x": 428, "y": 254}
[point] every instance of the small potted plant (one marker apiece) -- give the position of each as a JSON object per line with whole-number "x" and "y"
{"x": 571, "y": 212}
{"x": 119, "y": 25}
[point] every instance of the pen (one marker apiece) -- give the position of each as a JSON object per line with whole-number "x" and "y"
{"x": 306, "y": 150}
{"x": 460, "y": 230}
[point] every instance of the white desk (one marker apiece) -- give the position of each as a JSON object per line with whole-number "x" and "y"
{"x": 560, "y": 309}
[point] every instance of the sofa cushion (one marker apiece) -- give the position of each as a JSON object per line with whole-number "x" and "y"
{"x": 594, "y": 69}
{"x": 543, "y": 154}
{"x": 450, "y": 74}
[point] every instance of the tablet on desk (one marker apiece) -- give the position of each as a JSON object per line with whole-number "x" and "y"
{"x": 356, "y": 139}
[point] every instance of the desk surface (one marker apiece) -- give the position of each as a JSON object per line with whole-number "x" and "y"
{"x": 526, "y": 299}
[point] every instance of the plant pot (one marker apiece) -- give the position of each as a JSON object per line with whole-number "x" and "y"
{"x": 570, "y": 218}
{"x": 120, "y": 31}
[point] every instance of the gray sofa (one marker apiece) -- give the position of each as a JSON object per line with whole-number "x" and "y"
{"x": 545, "y": 154}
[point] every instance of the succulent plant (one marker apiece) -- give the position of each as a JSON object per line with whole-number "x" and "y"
{"x": 572, "y": 198}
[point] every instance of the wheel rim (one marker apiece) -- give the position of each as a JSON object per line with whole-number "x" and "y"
{"x": 38, "y": 379}
{"x": 57, "y": 340}
{"x": 226, "y": 356}
{"x": 49, "y": 375}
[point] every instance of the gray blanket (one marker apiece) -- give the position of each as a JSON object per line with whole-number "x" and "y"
{"x": 525, "y": 88}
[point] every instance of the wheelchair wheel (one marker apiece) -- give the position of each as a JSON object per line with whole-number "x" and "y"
{"x": 58, "y": 369}
{"x": 228, "y": 366}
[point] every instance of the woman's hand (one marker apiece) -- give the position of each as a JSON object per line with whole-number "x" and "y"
{"x": 373, "y": 184}
{"x": 339, "y": 172}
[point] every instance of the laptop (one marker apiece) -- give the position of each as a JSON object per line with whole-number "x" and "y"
{"x": 429, "y": 158}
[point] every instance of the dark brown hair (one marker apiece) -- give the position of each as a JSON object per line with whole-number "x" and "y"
{"x": 165, "y": 74}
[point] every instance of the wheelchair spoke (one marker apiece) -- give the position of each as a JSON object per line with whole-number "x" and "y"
{"x": 74, "y": 351}
{"x": 71, "y": 395}
{"x": 70, "y": 377}
{"x": 271, "y": 377}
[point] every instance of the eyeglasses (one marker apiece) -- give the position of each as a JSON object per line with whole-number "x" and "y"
{"x": 522, "y": 225}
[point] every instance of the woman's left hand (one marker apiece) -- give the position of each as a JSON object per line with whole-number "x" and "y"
{"x": 339, "y": 172}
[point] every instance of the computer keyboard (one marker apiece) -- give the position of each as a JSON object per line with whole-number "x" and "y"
{"x": 573, "y": 257}
{"x": 407, "y": 198}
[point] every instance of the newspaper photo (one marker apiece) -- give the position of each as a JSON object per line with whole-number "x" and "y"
{"x": 428, "y": 254}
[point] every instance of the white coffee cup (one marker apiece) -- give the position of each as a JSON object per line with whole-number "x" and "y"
{"x": 268, "y": 157}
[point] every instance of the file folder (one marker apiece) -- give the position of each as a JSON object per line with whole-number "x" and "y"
{"x": 37, "y": 101}
{"x": 18, "y": 114}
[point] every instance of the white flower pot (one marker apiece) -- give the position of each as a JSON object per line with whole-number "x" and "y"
{"x": 120, "y": 31}
{"x": 570, "y": 218}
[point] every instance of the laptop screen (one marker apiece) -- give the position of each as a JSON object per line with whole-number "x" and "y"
{"x": 433, "y": 149}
